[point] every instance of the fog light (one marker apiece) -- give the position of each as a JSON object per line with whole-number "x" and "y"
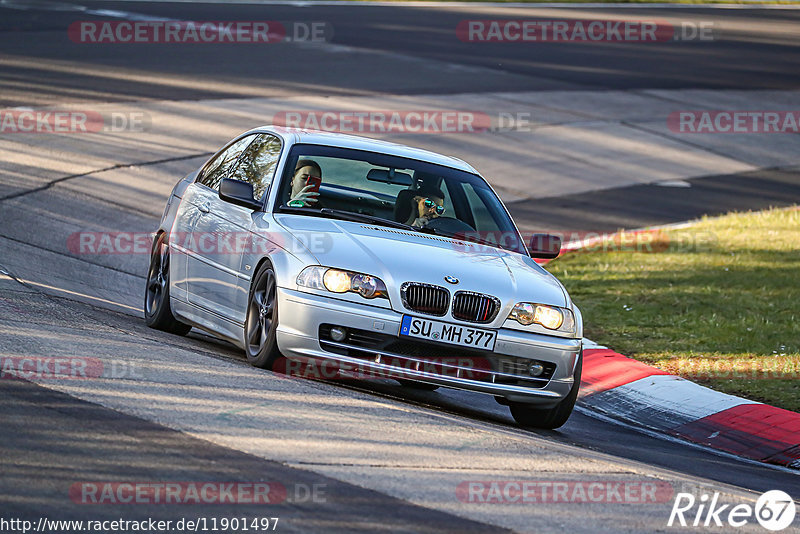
{"x": 338, "y": 333}
{"x": 535, "y": 369}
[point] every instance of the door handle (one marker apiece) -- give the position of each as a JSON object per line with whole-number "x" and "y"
{"x": 205, "y": 208}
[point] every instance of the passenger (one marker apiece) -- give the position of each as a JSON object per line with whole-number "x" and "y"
{"x": 428, "y": 205}
{"x": 305, "y": 184}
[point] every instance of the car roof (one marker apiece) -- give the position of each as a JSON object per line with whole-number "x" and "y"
{"x": 317, "y": 137}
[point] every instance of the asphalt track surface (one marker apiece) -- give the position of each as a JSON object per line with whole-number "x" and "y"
{"x": 751, "y": 49}
{"x": 51, "y": 439}
{"x": 640, "y": 206}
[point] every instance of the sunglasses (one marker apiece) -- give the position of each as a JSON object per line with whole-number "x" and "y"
{"x": 430, "y": 204}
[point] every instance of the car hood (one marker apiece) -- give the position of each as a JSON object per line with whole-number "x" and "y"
{"x": 398, "y": 256}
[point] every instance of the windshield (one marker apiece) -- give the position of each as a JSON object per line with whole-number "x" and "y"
{"x": 338, "y": 183}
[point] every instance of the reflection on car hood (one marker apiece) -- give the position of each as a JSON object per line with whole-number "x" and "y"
{"x": 398, "y": 256}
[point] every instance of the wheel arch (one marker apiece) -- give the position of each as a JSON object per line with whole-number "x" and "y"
{"x": 263, "y": 260}
{"x": 286, "y": 267}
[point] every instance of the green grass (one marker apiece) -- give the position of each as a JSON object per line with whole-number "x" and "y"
{"x": 718, "y": 297}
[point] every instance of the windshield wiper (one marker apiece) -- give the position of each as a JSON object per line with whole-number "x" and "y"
{"x": 347, "y": 216}
{"x": 363, "y": 217}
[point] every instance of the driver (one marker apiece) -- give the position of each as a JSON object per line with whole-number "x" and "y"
{"x": 305, "y": 184}
{"x": 428, "y": 205}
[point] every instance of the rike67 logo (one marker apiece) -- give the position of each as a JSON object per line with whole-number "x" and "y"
{"x": 774, "y": 510}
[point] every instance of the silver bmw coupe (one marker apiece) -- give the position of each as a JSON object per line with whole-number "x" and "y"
{"x": 383, "y": 260}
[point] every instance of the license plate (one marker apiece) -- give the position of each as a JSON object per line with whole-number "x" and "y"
{"x": 453, "y": 334}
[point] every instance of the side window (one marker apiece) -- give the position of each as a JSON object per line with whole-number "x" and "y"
{"x": 218, "y": 168}
{"x": 257, "y": 164}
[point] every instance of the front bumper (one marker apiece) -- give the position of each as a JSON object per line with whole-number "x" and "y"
{"x": 301, "y": 315}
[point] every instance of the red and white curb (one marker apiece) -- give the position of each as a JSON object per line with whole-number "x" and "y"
{"x": 634, "y": 392}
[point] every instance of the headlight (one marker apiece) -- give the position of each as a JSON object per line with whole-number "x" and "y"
{"x": 367, "y": 286}
{"x": 550, "y": 317}
{"x": 338, "y": 281}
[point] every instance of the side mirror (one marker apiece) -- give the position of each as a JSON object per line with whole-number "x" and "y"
{"x": 239, "y": 193}
{"x": 545, "y": 246}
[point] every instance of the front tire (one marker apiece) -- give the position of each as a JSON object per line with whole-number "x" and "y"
{"x": 261, "y": 324}
{"x": 549, "y": 418}
{"x": 157, "y": 312}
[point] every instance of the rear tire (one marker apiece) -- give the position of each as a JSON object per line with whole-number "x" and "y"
{"x": 549, "y": 418}
{"x": 157, "y": 312}
{"x": 261, "y": 324}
